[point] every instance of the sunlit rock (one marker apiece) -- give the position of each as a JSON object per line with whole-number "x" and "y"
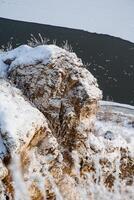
{"x": 22, "y": 129}
{"x": 57, "y": 148}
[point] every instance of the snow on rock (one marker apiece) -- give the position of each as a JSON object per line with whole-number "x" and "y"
{"x": 22, "y": 129}
{"x": 76, "y": 150}
{"x": 26, "y": 55}
{"x": 64, "y": 91}
{"x": 121, "y": 136}
{"x": 115, "y": 128}
{"x": 19, "y": 120}
{"x": 3, "y": 68}
{"x": 3, "y": 170}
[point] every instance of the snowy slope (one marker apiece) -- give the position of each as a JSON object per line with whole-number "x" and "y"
{"x": 102, "y": 16}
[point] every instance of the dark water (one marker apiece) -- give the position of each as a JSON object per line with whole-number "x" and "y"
{"x": 110, "y": 59}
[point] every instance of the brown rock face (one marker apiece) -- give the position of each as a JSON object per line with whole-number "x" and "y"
{"x": 66, "y": 93}
{"x": 23, "y": 129}
{"x": 46, "y": 150}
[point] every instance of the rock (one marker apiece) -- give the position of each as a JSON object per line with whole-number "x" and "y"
{"x": 49, "y": 129}
{"x": 3, "y": 171}
{"x": 20, "y": 122}
{"x": 65, "y": 92}
{"x": 23, "y": 128}
{"x": 67, "y": 95}
{"x": 108, "y": 135}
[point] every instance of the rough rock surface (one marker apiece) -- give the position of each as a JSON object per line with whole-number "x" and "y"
{"x": 22, "y": 128}
{"x": 51, "y": 143}
{"x": 19, "y": 120}
{"x": 66, "y": 93}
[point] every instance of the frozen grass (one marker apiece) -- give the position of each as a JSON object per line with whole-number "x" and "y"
{"x": 67, "y": 46}
{"x": 38, "y": 40}
{"x": 6, "y": 47}
{"x": 95, "y": 189}
{"x": 35, "y": 41}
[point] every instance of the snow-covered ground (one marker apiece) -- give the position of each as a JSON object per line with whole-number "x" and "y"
{"x": 114, "y": 127}
{"x": 102, "y": 16}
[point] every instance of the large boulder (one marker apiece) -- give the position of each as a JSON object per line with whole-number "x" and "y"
{"x": 55, "y": 146}
{"x": 64, "y": 91}
{"x": 56, "y": 82}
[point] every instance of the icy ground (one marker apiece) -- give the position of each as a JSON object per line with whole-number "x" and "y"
{"x": 114, "y": 128}
{"x": 110, "y": 17}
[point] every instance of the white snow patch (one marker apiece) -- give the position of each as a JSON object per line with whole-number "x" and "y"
{"x": 26, "y": 55}
{"x": 3, "y": 68}
{"x": 18, "y": 118}
{"x": 3, "y": 150}
{"x": 122, "y": 137}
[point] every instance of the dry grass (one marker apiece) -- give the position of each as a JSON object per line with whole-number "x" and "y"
{"x": 36, "y": 41}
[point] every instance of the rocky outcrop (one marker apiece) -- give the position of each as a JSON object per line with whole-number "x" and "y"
{"x": 22, "y": 129}
{"x": 48, "y": 136}
{"x": 66, "y": 93}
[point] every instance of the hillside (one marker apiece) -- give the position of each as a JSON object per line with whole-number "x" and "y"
{"x": 110, "y": 59}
